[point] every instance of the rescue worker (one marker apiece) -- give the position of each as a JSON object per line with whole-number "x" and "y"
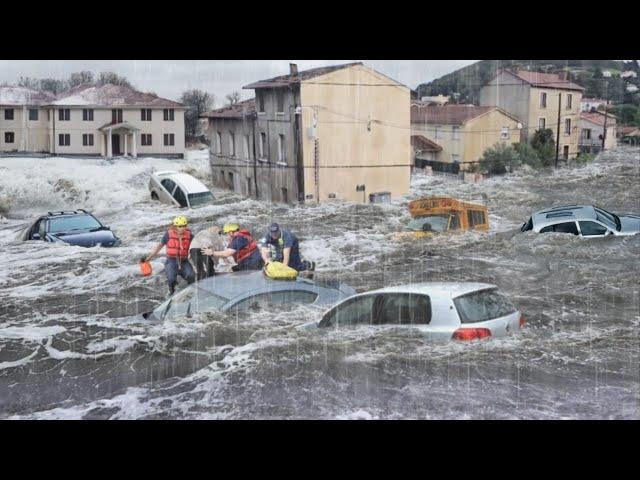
{"x": 177, "y": 239}
{"x": 241, "y": 247}
{"x": 281, "y": 245}
{"x": 206, "y": 265}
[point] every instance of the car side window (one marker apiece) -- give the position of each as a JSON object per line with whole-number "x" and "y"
{"x": 404, "y": 309}
{"x": 168, "y": 184}
{"x": 355, "y": 311}
{"x": 42, "y": 229}
{"x": 565, "y": 227}
{"x": 589, "y": 229}
{"x": 180, "y": 197}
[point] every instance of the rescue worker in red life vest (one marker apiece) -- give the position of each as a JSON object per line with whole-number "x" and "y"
{"x": 241, "y": 246}
{"x": 177, "y": 239}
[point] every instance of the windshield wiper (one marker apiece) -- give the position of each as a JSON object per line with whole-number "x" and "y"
{"x": 99, "y": 228}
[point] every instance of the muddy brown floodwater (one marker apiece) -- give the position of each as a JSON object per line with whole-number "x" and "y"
{"x": 70, "y": 349}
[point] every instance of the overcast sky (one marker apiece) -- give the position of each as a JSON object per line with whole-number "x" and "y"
{"x": 169, "y": 78}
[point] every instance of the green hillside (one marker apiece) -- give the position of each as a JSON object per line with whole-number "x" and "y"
{"x": 465, "y": 84}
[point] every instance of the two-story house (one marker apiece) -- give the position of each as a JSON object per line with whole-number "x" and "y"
{"x": 538, "y": 100}
{"x": 110, "y": 120}
{"x": 450, "y": 138}
{"x": 592, "y": 131}
{"x": 329, "y": 133}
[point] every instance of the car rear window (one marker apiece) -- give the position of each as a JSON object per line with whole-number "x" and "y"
{"x": 201, "y": 198}
{"x": 482, "y": 306}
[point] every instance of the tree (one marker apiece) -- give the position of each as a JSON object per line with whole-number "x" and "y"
{"x": 544, "y": 144}
{"x": 53, "y": 85}
{"x": 233, "y": 98}
{"x": 499, "y": 159}
{"x": 197, "y": 102}
{"x": 81, "y": 78}
{"x": 113, "y": 78}
{"x": 28, "y": 82}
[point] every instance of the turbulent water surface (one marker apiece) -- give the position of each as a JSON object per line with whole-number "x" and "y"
{"x": 69, "y": 347}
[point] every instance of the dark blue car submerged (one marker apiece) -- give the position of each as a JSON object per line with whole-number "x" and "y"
{"x": 75, "y": 228}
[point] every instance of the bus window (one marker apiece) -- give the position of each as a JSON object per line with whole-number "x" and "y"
{"x": 454, "y": 224}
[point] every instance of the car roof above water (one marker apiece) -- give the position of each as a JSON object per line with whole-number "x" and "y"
{"x": 437, "y": 289}
{"x": 188, "y": 182}
{"x": 564, "y": 212}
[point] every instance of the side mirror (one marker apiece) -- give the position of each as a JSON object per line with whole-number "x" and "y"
{"x": 35, "y": 236}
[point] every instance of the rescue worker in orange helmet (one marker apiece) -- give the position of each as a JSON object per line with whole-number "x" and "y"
{"x": 242, "y": 247}
{"x": 177, "y": 240}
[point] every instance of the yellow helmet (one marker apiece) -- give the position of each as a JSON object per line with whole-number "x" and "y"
{"x": 180, "y": 221}
{"x": 230, "y": 228}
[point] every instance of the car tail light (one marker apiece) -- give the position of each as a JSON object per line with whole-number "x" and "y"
{"x": 471, "y": 333}
{"x": 522, "y": 320}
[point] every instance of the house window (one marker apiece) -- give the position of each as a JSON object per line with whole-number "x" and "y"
{"x": 33, "y": 114}
{"x": 543, "y": 99}
{"x": 567, "y": 126}
{"x": 64, "y": 114}
{"x": 145, "y": 139}
{"x": 9, "y": 137}
{"x": 64, "y": 139}
{"x": 218, "y": 143}
{"x": 542, "y": 123}
{"x": 246, "y": 148}
{"x": 260, "y": 102}
{"x": 145, "y": 114}
{"x": 8, "y": 114}
{"x": 586, "y": 133}
{"x": 504, "y": 133}
{"x": 232, "y": 144}
{"x": 436, "y": 133}
{"x": 281, "y": 156}
{"x": 169, "y": 139}
{"x": 565, "y": 152}
{"x": 87, "y": 114}
{"x": 569, "y": 101}
{"x": 455, "y": 133}
{"x": 263, "y": 145}
{"x": 231, "y": 184}
{"x": 87, "y": 139}
{"x": 169, "y": 114}
{"x": 116, "y": 115}
{"x": 280, "y": 101}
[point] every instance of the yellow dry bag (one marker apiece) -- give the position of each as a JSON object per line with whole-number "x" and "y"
{"x": 279, "y": 271}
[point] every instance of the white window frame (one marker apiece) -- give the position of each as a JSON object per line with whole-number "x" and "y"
{"x": 87, "y": 140}
{"x": 13, "y": 138}
{"x": 282, "y": 160}
{"x": 565, "y": 126}
{"x": 546, "y": 98}
{"x": 247, "y": 151}
{"x": 544, "y": 120}
{"x": 569, "y": 104}
{"x": 505, "y": 133}
{"x": 37, "y": 114}
{"x": 232, "y": 144}
{"x": 218, "y": 143}
{"x": 263, "y": 146}
{"x": 436, "y": 132}
{"x": 455, "y": 132}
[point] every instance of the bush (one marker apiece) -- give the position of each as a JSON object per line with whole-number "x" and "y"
{"x": 528, "y": 155}
{"x": 544, "y": 144}
{"x": 584, "y": 158}
{"x": 499, "y": 159}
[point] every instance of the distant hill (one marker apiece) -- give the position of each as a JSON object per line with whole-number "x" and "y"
{"x": 465, "y": 84}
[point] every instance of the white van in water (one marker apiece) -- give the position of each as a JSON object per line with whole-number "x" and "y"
{"x": 438, "y": 310}
{"x": 179, "y": 189}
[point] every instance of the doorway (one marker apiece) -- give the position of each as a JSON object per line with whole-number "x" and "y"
{"x": 115, "y": 145}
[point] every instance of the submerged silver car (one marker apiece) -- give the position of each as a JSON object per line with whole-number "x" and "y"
{"x": 248, "y": 290}
{"x": 583, "y": 220}
{"x": 179, "y": 189}
{"x": 437, "y": 310}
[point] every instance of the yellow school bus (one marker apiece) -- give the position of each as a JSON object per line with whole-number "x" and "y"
{"x": 431, "y": 215}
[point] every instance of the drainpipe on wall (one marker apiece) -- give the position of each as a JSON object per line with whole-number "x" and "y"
{"x": 255, "y": 160}
{"x": 298, "y": 149}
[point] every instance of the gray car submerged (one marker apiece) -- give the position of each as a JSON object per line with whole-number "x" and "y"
{"x": 248, "y": 290}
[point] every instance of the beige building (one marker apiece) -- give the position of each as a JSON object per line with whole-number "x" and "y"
{"x": 537, "y": 99}
{"x": 453, "y": 137}
{"x": 338, "y": 133}
{"x": 111, "y": 120}
{"x": 24, "y": 120}
{"x": 592, "y": 131}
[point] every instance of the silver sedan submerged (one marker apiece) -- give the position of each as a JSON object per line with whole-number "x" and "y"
{"x": 438, "y": 310}
{"x": 584, "y": 220}
{"x": 248, "y": 290}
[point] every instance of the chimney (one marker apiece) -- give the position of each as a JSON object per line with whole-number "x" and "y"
{"x": 293, "y": 70}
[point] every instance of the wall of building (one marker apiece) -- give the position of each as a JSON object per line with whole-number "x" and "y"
{"x": 362, "y": 135}
{"x": 595, "y": 142}
{"x": 510, "y": 94}
{"x": 550, "y": 113}
{"x": 485, "y": 131}
{"x": 29, "y": 135}
{"x": 443, "y": 136}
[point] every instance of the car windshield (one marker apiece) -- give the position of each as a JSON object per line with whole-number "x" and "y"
{"x": 608, "y": 219}
{"x": 187, "y": 302}
{"x": 201, "y": 198}
{"x": 435, "y": 223}
{"x": 482, "y": 306}
{"x": 78, "y": 222}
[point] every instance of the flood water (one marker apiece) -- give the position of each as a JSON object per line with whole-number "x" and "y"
{"x": 70, "y": 349}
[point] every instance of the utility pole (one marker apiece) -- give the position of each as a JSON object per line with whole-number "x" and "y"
{"x": 558, "y": 134}
{"x": 606, "y": 109}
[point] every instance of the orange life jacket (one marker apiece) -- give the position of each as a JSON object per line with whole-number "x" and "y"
{"x": 176, "y": 248}
{"x": 245, "y": 252}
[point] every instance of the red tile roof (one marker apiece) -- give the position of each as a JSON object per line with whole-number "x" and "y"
{"x": 421, "y": 142}
{"x": 447, "y": 114}
{"x": 546, "y": 80}
{"x": 242, "y": 109}
{"x": 285, "y": 80}
{"x": 598, "y": 118}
